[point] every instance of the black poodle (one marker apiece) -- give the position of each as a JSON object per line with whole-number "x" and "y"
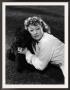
{"x": 22, "y": 39}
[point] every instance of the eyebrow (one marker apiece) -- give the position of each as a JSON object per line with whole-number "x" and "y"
{"x": 33, "y": 28}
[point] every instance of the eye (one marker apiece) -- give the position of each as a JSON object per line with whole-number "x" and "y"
{"x": 38, "y": 29}
{"x": 31, "y": 30}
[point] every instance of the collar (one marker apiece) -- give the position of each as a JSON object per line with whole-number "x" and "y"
{"x": 41, "y": 38}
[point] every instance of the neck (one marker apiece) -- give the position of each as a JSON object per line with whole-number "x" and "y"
{"x": 41, "y": 37}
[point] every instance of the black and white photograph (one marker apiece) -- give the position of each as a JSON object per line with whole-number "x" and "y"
{"x": 35, "y": 45}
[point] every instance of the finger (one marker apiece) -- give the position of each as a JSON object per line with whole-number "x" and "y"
{"x": 19, "y": 48}
{"x": 20, "y": 52}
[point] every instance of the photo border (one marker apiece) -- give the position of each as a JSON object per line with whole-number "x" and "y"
{"x": 4, "y": 4}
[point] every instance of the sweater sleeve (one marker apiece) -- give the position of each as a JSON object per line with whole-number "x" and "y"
{"x": 34, "y": 60}
{"x": 41, "y": 60}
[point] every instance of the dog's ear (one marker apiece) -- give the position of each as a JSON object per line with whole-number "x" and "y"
{"x": 10, "y": 55}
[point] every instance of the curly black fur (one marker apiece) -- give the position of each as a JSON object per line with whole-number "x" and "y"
{"x": 23, "y": 39}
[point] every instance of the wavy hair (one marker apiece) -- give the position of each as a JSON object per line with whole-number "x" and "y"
{"x": 35, "y": 20}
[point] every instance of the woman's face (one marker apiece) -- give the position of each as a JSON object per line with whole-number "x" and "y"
{"x": 36, "y": 31}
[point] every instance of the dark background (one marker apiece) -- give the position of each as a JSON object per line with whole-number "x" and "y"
{"x": 15, "y": 16}
{"x": 53, "y": 15}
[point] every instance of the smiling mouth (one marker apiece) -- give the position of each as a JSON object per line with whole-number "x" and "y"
{"x": 36, "y": 36}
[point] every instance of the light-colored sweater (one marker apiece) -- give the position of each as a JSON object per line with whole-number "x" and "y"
{"x": 49, "y": 49}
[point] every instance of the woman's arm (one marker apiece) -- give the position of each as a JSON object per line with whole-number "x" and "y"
{"x": 39, "y": 61}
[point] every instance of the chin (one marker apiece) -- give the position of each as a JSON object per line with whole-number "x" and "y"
{"x": 37, "y": 38}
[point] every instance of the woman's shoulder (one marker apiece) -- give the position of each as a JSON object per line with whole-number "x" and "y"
{"x": 49, "y": 38}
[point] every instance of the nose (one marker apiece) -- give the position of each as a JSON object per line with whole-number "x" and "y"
{"x": 35, "y": 32}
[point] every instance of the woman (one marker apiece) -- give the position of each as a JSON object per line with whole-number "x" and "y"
{"x": 47, "y": 49}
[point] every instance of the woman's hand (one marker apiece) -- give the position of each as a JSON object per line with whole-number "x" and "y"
{"x": 22, "y": 50}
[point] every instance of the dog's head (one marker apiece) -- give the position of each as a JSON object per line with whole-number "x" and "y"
{"x": 23, "y": 39}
